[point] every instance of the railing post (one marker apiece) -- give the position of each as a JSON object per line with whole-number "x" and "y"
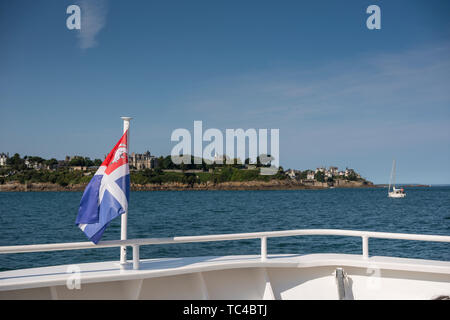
{"x": 365, "y": 246}
{"x": 263, "y": 248}
{"x": 135, "y": 257}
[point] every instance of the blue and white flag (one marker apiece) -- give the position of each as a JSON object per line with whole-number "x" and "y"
{"x": 106, "y": 196}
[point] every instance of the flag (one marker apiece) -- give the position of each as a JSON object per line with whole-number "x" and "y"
{"x": 106, "y": 196}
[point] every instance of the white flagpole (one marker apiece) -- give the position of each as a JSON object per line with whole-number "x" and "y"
{"x": 123, "y": 229}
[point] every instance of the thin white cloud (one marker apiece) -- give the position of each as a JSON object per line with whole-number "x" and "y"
{"x": 402, "y": 84}
{"x": 93, "y": 19}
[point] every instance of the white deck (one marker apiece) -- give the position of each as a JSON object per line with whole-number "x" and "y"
{"x": 236, "y": 277}
{"x": 314, "y": 276}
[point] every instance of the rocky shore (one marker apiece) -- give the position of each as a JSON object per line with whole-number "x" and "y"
{"x": 287, "y": 184}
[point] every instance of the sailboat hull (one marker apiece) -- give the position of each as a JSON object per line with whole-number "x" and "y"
{"x": 396, "y": 195}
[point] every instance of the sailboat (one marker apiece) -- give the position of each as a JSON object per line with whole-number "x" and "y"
{"x": 395, "y": 193}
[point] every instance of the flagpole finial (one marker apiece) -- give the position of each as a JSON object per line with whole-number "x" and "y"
{"x": 126, "y": 123}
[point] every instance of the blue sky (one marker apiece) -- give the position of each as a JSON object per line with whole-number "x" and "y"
{"x": 339, "y": 93}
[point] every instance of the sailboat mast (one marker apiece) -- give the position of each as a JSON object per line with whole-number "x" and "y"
{"x": 394, "y": 176}
{"x": 390, "y": 178}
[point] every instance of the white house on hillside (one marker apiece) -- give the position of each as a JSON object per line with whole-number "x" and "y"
{"x": 3, "y": 159}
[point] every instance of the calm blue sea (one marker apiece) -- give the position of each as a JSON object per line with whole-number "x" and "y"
{"x": 48, "y": 217}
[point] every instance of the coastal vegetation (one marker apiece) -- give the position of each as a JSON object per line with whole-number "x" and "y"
{"x": 218, "y": 175}
{"x": 76, "y": 172}
{"x": 80, "y": 170}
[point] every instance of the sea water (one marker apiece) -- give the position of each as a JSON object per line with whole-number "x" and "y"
{"x": 49, "y": 217}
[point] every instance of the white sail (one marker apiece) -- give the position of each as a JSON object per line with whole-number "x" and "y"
{"x": 395, "y": 193}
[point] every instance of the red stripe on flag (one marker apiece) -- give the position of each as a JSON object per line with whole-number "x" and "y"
{"x": 118, "y": 155}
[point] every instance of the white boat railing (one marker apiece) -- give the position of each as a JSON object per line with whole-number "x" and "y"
{"x": 136, "y": 243}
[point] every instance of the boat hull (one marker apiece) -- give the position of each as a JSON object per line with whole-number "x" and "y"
{"x": 235, "y": 277}
{"x": 396, "y": 195}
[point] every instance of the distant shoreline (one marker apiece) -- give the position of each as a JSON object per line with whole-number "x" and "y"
{"x": 411, "y": 185}
{"x": 176, "y": 186}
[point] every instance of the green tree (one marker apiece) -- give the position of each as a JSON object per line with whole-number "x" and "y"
{"x": 88, "y": 162}
{"x": 77, "y": 161}
{"x": 16, "y": 162}
{"x": 62, "y": 181}
{"x": 352, "y": 176}
{"x": 167, "y": 163}
{"x": 35, "y": 159}
{"x": 189, "y": 179}
{"x": 303, "y": 175}
{"x": 319, "y": 176}
{"x": 51, "y": 162}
